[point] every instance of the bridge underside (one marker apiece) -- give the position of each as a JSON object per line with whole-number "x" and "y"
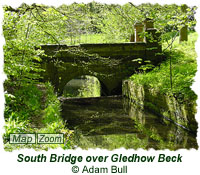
{"x": 110, "y": 63}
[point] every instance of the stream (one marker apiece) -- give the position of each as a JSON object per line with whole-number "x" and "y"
{"x": 113, "y": 122}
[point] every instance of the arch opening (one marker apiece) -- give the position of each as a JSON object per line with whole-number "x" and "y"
{"x": 84, "y": 86}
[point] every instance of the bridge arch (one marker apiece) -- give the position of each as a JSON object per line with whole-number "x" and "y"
{"x": 109, "y": 62}
{"x": 85, "y": 86}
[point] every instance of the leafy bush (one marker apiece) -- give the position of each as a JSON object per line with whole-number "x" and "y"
{"x": 21, "y": 111}
{"x": 184, "y": 67}
{"x": 14, "y": 126}
{"x": 51, "y": 114}
{"x": 24, "y": 103}
{"x": 20, "y": 108}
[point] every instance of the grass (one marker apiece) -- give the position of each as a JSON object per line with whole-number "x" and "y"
{"x": 184, "y": 67}
{"x": 92, "y": 38}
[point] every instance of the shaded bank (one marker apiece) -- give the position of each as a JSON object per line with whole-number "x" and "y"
{"x": 182, "y": 114}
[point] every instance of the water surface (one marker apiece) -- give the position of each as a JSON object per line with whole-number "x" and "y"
{"x": 113, "y": 122}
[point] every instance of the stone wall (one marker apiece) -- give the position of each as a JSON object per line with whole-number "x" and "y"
{"x": 164, "y": 105}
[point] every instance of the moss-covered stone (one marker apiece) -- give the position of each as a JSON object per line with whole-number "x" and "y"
{"x": 164, "y": 104}
{"x": 110, "y": 63}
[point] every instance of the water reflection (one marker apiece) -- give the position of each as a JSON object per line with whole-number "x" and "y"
{"x": 83, "y": 86}
{"x": 113, "y": 122}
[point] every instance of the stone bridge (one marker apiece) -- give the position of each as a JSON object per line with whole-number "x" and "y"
{"x": 110, "y": 63}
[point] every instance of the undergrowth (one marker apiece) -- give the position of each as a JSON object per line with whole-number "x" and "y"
{"x": 184, "y": 67}
{"x": 30, "y": 103}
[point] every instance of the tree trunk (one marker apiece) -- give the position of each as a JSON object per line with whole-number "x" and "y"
{"x": 183, "y": 35}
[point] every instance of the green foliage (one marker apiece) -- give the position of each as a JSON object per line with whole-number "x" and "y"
{"x": 24, "y": 99}
{"x": 93, "y": 22}
{"x": 13, "y": 125}
{"x": 146, "y": 67}
{"x": 22, "y": 109}
{"x": 25, "y": 102}
{"x": 51, "y": 117}
{"x": 52, "y": 120}
{"x": 184, "y": 67}
{"x": 20, "y": 55}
